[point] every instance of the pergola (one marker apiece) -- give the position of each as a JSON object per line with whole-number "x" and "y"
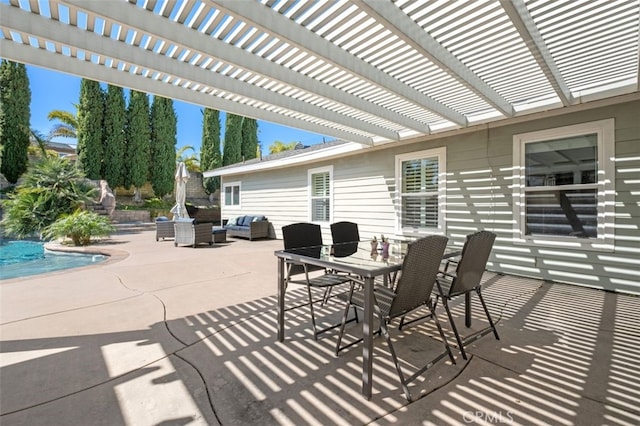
{"x": 366, "y": 71}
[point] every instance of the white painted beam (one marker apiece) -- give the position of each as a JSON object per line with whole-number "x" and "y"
{"x": 406, "y": 29}
{"x": 211, "y": 47}
{"x": 272, "y": 22}
{"x": 90, "y": 42}
{"x": 523, "y": 22}
{"x": 42, "y": 58}
{"x": 179, "y": 35}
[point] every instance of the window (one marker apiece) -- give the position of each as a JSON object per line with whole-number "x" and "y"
{"x": 565, "y": 185}
{"x": 232, "y": 194}
{"x": 419, "y": 183}
{"x": 320, "y": 190}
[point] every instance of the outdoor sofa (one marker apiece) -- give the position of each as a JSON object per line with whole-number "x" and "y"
{"x": 248, "y": 226}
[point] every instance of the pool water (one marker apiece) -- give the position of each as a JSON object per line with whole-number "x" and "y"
{"x": 24, "y": 258}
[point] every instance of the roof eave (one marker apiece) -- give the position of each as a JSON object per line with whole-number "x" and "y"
{"x": 302, "y": 158}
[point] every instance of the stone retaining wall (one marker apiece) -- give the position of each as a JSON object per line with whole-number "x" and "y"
{"x": 194, "y": 186}
{"x": 129, "y": 216}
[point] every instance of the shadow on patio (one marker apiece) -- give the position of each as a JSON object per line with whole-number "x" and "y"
{"x": 567, "y": 355}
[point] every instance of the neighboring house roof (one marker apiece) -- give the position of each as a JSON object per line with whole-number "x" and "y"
{"x": 61, "y": 147}
{"x": 366, "y": 71}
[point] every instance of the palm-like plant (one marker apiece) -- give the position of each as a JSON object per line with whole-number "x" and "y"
{"x": 191, "y": 161}
{"x": 52, "y": 187}
{"x": 66, "y": 127}
{"x": 80, "y": 226}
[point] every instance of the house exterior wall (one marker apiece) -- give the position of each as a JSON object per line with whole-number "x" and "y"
{"x": 479, "y": 169}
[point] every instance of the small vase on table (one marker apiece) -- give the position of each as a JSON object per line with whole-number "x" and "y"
{"x": 385, "y": 249}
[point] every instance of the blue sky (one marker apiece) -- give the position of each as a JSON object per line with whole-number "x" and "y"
{"x": 52, "y": 90}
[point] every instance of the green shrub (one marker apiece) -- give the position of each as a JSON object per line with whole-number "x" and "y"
{"x": 52, "y": 187}
{"x": 158, "y": 203}
{"x": 80, "y": 226}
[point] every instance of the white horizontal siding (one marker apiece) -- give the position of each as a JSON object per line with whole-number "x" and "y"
{"x": 364, "y": 192}
{"x": 479, "y": 177}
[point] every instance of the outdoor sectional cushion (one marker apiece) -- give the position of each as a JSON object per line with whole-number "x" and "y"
{"x": 248, "y": 226}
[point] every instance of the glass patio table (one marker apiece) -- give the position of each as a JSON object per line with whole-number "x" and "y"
{"x": 357, "y": 258}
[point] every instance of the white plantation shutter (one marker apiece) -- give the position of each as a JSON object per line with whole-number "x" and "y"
{"x": 419, "y": 193}
{"x": 320, "y": 197}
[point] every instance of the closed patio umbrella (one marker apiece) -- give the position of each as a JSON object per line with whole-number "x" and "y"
{"x": 182, "y": 176}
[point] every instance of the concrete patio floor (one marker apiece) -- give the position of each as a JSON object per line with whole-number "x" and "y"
{"x": 160, "y": 335}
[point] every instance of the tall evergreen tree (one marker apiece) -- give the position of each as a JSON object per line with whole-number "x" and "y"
{"x": 90, "y": 120}
{"x": 138, "y": 133}
{"x": 114, "y": 140}
{"x": 210, "y": 155}
{"x": 249, "y": 138}
{"x": 232, "y": 151}
{"x": 163, "y": 145}
{"x": 15, "y": 116}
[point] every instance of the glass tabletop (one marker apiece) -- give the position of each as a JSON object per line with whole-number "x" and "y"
{"x": 365, "y": 258}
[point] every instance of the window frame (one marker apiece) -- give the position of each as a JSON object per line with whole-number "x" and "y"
{"x": 224, "y": 193}
{"x": 605, "y": 186}
{"x": 310, "y": 196}
{"x": 441, "y": 155}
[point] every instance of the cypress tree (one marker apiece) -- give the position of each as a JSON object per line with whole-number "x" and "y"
{"x": 249, "y": 138}
{"x": 90, "y": 120}
{"x": 163, "y": 145}
{"x": 232, "y": 152}
{"x": 15, "y": 116}
{"x": 137, "y": 137}
{"x": 114, "y": 141}
{"x": 210, "y": 155}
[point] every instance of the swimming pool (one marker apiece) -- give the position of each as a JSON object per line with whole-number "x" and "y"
{"x": 24, "y": 258}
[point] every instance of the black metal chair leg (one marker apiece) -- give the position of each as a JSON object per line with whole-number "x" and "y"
{"x": 441, "y": 331}
{"x": 343, "y": 324}
{"x": 326, "y": 296}
{"x": 385, "y": 332}
{"x": 313, "y": 317}
{"x": 453, "y": 326}
{"x": 486, "y": 311}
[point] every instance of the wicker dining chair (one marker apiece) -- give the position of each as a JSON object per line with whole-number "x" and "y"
{"x": 467, "y": 278}
{"x": 345, "y": 238}
{"x": 308, "y": 237}
{"x": 412, "y": 291}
